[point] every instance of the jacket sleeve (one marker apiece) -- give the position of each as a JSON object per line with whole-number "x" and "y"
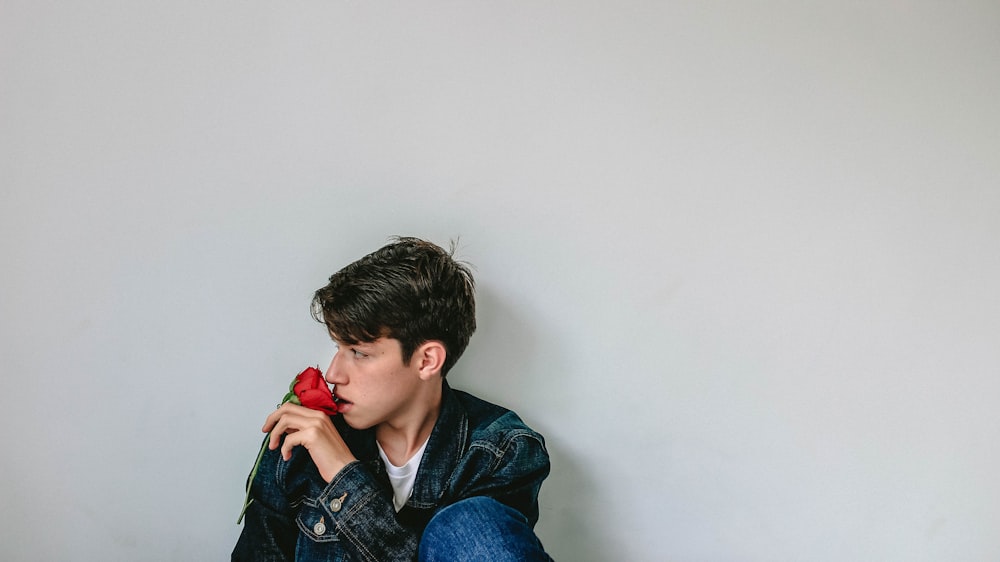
{"x": 269, "y": 531}
{"x": 362, "y": 514}
{"x": 296, "y": 515}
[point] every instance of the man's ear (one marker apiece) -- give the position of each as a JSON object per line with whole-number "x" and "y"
{"x": 430, "y": 358}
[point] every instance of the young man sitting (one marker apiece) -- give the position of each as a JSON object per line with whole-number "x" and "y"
{"x": 409, "y": 466}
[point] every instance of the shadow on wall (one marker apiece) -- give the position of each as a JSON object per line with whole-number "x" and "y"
{"x": 503, "y": 365}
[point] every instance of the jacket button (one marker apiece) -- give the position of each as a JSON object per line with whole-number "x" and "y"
{"x": 320, "y": 527}
{"x": 337, "y": 503}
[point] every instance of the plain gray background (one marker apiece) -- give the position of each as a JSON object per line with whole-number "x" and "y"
{"x": 738, "y": 261}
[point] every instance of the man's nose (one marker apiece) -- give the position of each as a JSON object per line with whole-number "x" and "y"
{"x": 334, "y": 373}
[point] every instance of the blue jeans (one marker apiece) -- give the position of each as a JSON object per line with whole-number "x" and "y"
{"x": 480, "y": 529}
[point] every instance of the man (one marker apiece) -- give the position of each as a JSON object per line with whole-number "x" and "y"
{"x": 409, "y": 466}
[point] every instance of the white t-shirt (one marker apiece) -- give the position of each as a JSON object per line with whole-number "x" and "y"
{"x": 402, "y": 477}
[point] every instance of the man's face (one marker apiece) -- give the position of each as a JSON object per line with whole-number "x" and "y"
{"x": 371, "y": 383}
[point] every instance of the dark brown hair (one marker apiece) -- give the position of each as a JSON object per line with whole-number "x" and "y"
{"x": 410, "y": 290}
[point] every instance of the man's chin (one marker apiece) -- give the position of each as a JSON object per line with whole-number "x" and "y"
{"x": 355, "y": 423}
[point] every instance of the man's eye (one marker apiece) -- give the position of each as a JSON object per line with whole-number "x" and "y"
{"x": 358, "y": 354}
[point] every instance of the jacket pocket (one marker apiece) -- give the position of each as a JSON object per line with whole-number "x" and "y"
{"x": 318, "y": 539}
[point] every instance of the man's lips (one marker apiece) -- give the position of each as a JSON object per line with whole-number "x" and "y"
{"x": 342, "y": 404}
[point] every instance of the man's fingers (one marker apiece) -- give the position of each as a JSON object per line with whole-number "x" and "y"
{"x": 284, "y": 409}
{"x": 274, "y": 416}
{"x": 286, "y": 424}
{"x": 289, "y": 419}
{"x": 294, "y": 437}
{"x": 291, "y": 441}
{"x": 311, "y": 429}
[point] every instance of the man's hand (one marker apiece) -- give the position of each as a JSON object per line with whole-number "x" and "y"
{"x": 313, "y": 430}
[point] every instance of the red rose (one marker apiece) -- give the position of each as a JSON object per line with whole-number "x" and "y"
{"x": 313, "y": 392}
{"x": 308, "y": 389}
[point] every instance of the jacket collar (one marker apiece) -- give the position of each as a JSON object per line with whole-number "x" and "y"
{"x": 444, "y": 450}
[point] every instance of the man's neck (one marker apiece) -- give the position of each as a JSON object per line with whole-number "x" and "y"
{"x": 403, "y": 436}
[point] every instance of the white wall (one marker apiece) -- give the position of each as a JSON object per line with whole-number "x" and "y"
{"x": 737, "y": 261}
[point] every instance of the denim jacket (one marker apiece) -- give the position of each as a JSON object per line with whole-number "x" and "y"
{"x": 475, "y": 449}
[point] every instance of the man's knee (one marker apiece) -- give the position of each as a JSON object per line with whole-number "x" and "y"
{"x": 479, "y": 528}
